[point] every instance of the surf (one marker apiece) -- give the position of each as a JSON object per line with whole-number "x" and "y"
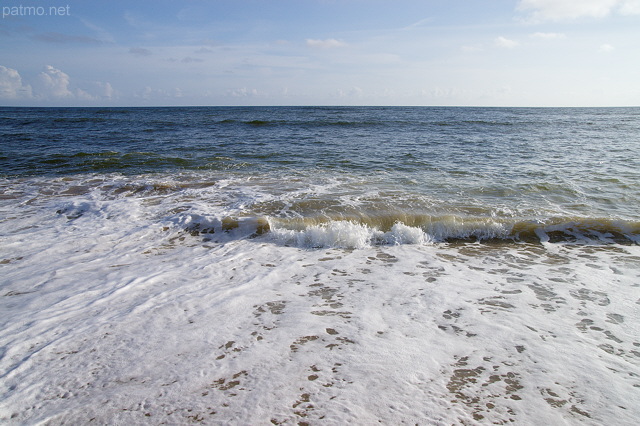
{"x": 367, "y": 231}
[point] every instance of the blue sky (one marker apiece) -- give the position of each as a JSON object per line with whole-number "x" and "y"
{"x": 322, "y": 52}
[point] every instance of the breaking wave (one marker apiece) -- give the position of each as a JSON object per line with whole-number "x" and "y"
{"x": 324, "y": 232}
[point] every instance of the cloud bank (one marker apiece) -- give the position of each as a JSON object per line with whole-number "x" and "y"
{"x": 50, "y": 85}
{"x": 559, "y": 10}
{"x": 54, "y": 83}
{"x": 11, "y": 86}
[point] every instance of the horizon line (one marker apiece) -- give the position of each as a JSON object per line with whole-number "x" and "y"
{"x": 311, "y": 106}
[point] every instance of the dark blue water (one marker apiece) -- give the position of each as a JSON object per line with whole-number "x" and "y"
{"x": 523, "y": 163}
{"x": 146, "y": 140}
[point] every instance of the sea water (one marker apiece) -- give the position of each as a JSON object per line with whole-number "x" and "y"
{"x": 303, "y": 265}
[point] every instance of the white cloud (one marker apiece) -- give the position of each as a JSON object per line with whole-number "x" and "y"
{"x": 548, "y": 36}
{"x": 103, "y": 34}
{"x": 419, "y": 24}
{"x": 105, "y": 90}
{"x": 242, "y": 92}
{"x": 54, "y": 83}
{"x": 11, "y": 86}
{"x": 146, "y": 93}
{"x": 506, "y": 43}
{"x": 354, "y": 92}
{"x": 606, "y": 48}
{"x": 83, "y": 95}
{"x": 630, "y": 7}
{"x": 558, "y": 10}
{"x": 95, "y": 91}
{"x": 325, "y": 44}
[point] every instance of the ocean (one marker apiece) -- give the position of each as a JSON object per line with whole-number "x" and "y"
{"x": 319, "y": 265}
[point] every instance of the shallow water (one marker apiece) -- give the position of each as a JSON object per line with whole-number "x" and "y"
{"x": 268, "y": 266}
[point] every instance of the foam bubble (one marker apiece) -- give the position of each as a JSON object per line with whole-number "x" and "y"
{"x": 348, "y": 234}
{"x": 452, "y": 227}
{"x": 403, "y": 234}
{"x": 113, "y": 313}
{"x": 339, "y": 234}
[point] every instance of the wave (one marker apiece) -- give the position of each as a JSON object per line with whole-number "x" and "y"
{"x": 487, "y": 122}
{"x": 122, "y": 162}
{"x": 75, "y": 120}
{"x": 361, "y": 232}
{"x": 310, "y": 123}
{"x": 362, "y": 123}
{"x": 111, "y": 161}
{"x": 471, "y": 122}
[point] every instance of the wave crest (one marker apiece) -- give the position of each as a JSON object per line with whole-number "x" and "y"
{"x": 419, "y": 229}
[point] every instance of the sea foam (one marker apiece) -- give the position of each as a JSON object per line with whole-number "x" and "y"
{"x": 319, "y": 265}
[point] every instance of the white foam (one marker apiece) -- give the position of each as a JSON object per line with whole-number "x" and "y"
{"x": 403, "y": 234}
{"x": 347, "y": 234}
{"x": 113, "y": 313}
{"x": 339, "y": 234}
{"x": 457, "y": 227}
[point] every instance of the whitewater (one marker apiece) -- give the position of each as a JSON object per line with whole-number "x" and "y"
{"x": 319, "y": 266}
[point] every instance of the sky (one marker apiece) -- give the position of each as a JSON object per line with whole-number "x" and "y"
{"x": 320, "y": 52}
